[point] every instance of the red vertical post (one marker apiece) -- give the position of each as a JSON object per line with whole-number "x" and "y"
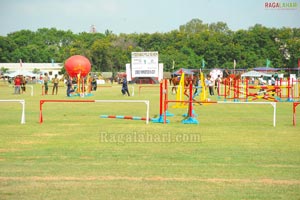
{"x": 247, "y": 89}
{"x": 191, "y": 100}
{"x": 160, "y": 98}
{"x": 238, "y": 85}
{"x": 225, "y": 93}
{"x": 231, "y": 84}
{"x": 218, "y": 87}
{"x": 83, "y": 86}
{"x": 235, "y": 89}
{"x": 294, "y": 115}
{"x": 295, "y": 104}
{"x": 288, "y": 88}
{"x": 165, "y": 113}
{"x": 280, "y": 84}
{"x": 41, "y": 111}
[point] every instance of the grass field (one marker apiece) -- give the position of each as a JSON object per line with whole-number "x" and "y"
{"x": 233, "y": 153}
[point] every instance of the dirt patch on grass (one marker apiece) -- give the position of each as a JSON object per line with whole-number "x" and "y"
{"x": 69, "y": 124}
{"x": 86, "y": 157}
{"x": 28, "y": 142}
{"x": 8, "y": 150}
{"x": 45, "y": 134}
{"x": 280, "y": 166}
{"x": 156, "y": 178}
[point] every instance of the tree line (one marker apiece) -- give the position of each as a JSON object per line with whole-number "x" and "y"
{"x": 192, "y": 45}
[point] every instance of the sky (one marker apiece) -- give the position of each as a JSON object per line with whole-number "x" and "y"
{"x": 141, "y": 16}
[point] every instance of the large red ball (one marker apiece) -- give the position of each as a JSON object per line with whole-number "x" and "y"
{"x": 78, "y": 65}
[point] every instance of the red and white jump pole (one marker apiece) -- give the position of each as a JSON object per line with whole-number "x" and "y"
{"x": 94, "y": 101}
{"x": 123, "y": 117}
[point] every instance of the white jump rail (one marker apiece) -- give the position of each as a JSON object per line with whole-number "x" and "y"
{"x": 21, "y": 101}
{"x": 147, "y": 102}
{"x": 272, "y": 103}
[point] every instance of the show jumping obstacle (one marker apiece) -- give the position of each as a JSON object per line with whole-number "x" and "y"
{"x": 253, "y": 103}
{"x": 163, "y": 95}
{"x": 94, "y": 101}
{"x": 190, "y": 119}
{"x": 236, "y": 91}
{"x": 295, "y": 104}
{"x": 21, "y": 101}
{"x": 123, "y": 117}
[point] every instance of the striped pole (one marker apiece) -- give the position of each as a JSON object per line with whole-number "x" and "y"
{"x": 147, "y": 102}
{"x": 123, "y": 117}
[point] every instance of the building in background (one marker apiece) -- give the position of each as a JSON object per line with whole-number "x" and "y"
{"x": 21, "y": 68}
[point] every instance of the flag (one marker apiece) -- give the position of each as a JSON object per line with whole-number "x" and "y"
{"x": 173, "y": 66}
{"x": 203, "y": 63}
{"x": 20, "y": 62}
{"x": 299, "y": 63}
{"x": 234, "y": 64}
{"x": 268, "y": 62}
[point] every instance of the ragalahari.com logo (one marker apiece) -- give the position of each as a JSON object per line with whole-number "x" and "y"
{"x": 281, "y": 5}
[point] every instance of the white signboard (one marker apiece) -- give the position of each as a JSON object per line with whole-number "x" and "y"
{"x": 144, "y": 64}
{"x": 128, "y": 72}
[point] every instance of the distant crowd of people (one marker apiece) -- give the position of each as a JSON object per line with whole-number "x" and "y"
{"x": 90, "y": 83}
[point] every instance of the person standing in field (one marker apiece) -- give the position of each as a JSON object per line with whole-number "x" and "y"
{"x": 69, "y": 87}
{"x": 273, "y": 81}
{"x": 210, "y": 84}
{"x": 217, "y": 84}
{"x": 125, "y": 87}
{"x": 55, "y": 84}
{"x": 46, "y": 80}
{"x": 89, "y": 83}
{"x": 23, "y": 84}
{"x": 17, "y": 82}
{"x": 261, "y": 82}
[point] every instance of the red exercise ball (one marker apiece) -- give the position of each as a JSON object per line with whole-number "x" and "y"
{"x": 78, "y": 65}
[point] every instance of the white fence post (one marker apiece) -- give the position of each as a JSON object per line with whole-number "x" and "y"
{"x": 22, "y": 101}
{"x": 272, "y": 103}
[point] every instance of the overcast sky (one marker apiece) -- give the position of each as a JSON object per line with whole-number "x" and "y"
{"x": 140, "y": 16}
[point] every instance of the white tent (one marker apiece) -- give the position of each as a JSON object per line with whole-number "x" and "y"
{"x": 24, "y": 73}
{"x": 255, "y": 74}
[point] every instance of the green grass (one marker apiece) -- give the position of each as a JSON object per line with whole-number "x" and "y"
{"x": 237, "y": 154}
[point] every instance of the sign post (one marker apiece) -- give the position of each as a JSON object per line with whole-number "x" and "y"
{"x": 144, "y": 64}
